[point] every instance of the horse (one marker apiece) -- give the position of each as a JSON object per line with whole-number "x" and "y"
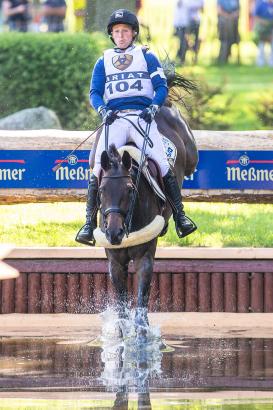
{"x": 116, "y": 186}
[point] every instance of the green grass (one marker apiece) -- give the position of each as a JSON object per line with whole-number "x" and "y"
{"x": 157, "y": 404}
{"x": 219, "y": 225}
{"x": 246, "y": 84}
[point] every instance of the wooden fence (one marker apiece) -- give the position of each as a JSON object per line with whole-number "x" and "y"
{"x": 75, "y": 280}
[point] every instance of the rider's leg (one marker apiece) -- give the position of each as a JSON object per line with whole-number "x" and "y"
{"x": 85, "y": 235}
{"x": 184, "y": 226}
{"x": 117, "y": 137}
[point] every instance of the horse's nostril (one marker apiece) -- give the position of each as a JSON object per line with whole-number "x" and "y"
{"x": 120, "y": 232}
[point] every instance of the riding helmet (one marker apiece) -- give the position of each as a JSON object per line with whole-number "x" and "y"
{"x": 123, "y": 16}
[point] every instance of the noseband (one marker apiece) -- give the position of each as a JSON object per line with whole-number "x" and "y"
{"x": 116, "y": 209}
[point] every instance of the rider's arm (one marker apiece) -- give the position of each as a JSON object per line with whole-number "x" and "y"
{"x": 158, "y": 78}
{"x": 97, "y": 85}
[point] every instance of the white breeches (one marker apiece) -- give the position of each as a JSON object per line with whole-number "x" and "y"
{"x": 122, "y": 131}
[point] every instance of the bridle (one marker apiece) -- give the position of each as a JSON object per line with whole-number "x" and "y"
{"x": 116, "y": 209}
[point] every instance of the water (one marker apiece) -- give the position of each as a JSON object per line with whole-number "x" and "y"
{"x": 135, "y": 372}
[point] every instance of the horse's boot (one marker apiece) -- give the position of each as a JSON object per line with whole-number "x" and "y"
{"x": 85, "y": 234}
{"x": 183, "y": 225}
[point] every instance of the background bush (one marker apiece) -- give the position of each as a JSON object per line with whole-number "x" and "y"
{"x": 52, "y": 70}
{"x": 206, "y": 108}
{"x": 264, "y": 109}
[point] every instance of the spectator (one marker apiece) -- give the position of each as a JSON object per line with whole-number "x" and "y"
{"x": 187, "y": 24}
{"x": 16, "y": 13}
{"x": 80, "y": 14}
{"x": 263, "y": 30}
{"x": 228, "y": 18}
{"x": 138, "y": 5}
{"x": 54, "y": 12}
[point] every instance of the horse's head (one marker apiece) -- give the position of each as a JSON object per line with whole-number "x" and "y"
{"x": 115, "y": 192}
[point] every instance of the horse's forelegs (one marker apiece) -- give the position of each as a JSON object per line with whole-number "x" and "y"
{"x": 119, "y": 275}
{"x": 144, "y": 270}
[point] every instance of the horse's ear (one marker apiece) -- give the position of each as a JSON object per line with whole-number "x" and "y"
{"x": 126, "y": 160}
{"x": 105, "y": 161}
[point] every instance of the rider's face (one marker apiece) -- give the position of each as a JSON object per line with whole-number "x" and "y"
{"x": 122, "y": 35}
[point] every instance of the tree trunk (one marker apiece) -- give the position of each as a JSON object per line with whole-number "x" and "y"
{"x": 98, "y": 12}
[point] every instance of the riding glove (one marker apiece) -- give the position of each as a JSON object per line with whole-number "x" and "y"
{"x": 108, "y": 116}
{"x": 149, "y": 113}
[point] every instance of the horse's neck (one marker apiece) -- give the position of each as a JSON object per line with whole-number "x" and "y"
{"x": 146, "y": 207}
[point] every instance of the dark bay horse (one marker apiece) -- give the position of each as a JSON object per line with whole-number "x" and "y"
{"x": 116, "y": 187}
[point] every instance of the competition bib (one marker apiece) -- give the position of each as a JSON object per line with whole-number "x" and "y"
{"x": 126, "y": 75}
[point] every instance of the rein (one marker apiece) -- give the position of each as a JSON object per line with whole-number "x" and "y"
{"x": 129, "y": 215}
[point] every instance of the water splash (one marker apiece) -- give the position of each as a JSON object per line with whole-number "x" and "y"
{"x": 129, "y": 362}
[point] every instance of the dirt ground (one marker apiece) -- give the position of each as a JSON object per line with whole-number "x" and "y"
{"x": 198, "y": 325}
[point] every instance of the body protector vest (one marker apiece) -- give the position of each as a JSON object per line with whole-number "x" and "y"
{"x": 126, "y": 75}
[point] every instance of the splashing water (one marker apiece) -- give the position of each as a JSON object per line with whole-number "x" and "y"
{"x": 128, "y": 363}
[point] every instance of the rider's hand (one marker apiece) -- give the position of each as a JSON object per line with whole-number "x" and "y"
{"x": 108, "y": 116}
{"x": 149, "y": 113}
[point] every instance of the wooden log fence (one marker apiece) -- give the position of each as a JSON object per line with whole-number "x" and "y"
{"x": 75, "y": 280}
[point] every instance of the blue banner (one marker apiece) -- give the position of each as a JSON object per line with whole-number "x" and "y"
{"x": 215, "y": 170}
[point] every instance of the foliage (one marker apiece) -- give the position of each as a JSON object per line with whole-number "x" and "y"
{"x": 51, "y": 70}
{"x": 242, "y": 85}
{"x": 264, "y": 109}
{"x": 203, "y": 110}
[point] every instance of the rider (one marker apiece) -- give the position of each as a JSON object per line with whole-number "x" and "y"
{"x": 128, "y": 81}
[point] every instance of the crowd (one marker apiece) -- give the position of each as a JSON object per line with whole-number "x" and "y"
{"x": 17, "y": 14}
{"x": 187, "y": 18}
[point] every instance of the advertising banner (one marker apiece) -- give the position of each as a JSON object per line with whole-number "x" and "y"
{"x": 215, "y": 170}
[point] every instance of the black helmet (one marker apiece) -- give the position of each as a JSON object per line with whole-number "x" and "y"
{"x": 123, "y": 16}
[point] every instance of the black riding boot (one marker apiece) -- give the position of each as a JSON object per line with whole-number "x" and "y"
{"x": 85, "y": 234}
{"x": 184, "y": 225}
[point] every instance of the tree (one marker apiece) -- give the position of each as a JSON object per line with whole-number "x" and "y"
{"x": 98, "y": 12}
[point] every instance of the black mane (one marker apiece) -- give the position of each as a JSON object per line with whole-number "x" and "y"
{"x": 115, "y": 158}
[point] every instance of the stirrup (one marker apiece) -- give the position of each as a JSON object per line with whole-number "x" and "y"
{"x": 182, "y": 234}
{"x": 91, "y": 242}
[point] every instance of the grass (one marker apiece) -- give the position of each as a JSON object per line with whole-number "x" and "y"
{"x": 220, "y": 225}
{"x": 245, "y": 84}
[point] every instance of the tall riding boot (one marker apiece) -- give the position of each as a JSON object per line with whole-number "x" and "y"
{"x": 184, "y": 225}
{"x": 85, "y": 234}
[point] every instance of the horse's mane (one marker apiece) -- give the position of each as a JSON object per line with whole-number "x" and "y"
{"x": 114, "y": 156}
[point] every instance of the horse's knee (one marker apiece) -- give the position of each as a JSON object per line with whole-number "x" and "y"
{"x": 145, "y": 267}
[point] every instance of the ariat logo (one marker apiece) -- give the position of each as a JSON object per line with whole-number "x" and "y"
{"x": 121, "y": 62}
